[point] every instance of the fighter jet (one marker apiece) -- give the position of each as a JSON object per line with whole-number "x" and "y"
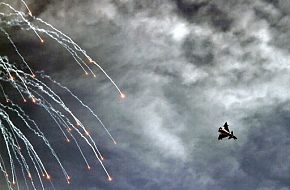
{"x": 225, "y": 132}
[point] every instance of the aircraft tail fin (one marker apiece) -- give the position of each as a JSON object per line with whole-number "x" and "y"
{"x": 232, "y": 135}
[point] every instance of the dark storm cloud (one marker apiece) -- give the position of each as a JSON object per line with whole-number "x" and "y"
{"x": 186, "y": 67}
{"x": 204, "y": 11}
{"x": 268, "y": 140}
{"x": 37, "y": 7}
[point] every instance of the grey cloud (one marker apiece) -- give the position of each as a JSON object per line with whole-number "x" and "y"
{"x": 37, "y": 7}
{"x": 205, "y": 12}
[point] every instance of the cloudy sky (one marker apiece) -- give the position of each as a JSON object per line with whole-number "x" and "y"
{"x": 186, "y": 66}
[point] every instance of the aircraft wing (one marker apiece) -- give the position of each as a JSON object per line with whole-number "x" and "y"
{"x": 226, "y": 127}
{"x": 221, "y": 136}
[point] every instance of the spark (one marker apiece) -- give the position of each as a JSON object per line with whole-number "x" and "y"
{"x": 123, "y": 95}
{"x": 31, "y": 87}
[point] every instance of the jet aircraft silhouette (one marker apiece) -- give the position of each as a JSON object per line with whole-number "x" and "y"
{"x": 225, "y": 132}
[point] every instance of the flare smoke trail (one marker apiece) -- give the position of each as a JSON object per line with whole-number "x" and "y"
{"x": 31, "y": 86}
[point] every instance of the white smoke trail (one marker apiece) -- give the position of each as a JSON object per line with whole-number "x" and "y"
{"x": 31, "y": 86}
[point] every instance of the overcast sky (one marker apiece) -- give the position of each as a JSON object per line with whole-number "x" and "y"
{"x": 186, "y": 66}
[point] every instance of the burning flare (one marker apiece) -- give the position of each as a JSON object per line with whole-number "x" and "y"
{"x": 32, "y": 87}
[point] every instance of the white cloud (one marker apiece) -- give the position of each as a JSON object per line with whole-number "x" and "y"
{"x": 179, "y": 31}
